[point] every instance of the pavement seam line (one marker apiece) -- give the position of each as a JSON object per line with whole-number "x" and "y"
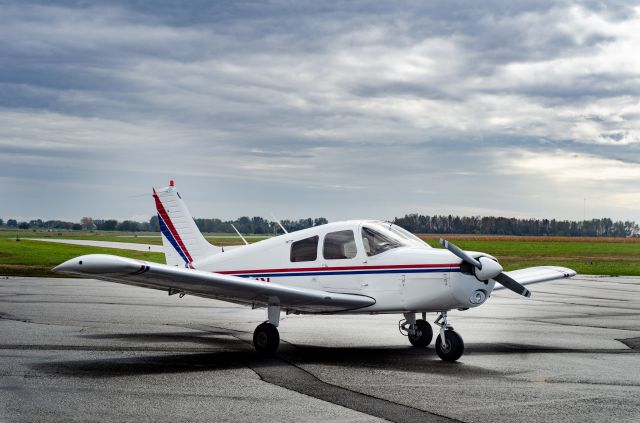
{"x": 426, "y": 416}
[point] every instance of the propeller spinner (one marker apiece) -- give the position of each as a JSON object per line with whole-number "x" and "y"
{"x": 486, "y": 268}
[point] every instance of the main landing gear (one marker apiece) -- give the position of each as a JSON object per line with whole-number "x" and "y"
{"x": 418, "y": 331}
{"x": 449, "y": 345}
{"x": 266, "y": 338}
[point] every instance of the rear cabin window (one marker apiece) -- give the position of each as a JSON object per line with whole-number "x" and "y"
{"x": 305, "y": 249}
{"x": 339, "y": 245}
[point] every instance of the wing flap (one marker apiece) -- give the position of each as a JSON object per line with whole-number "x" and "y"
{"x": 211, "y": 285}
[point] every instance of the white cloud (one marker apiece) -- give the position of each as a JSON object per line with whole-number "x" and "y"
{"x": 564, "y": 166}
{"x": 344, "y": 100}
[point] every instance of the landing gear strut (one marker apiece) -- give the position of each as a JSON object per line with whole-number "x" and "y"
{"x": 418, "y": 331}
{"x": 449, "y": 345}
{"x": 266, "y": 338}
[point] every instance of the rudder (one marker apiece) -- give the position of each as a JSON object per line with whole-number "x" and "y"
{"x": 182, "y": 240}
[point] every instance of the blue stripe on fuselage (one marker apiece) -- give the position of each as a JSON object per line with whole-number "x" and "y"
{"x": 350, "y": 272}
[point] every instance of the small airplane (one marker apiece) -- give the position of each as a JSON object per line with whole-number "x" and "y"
{"x": 350, "y": 267}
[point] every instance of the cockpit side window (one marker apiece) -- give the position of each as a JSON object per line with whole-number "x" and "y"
{"x": 339, "y": 245}
{"x": 305, "y": 249}
{"x": 376, "y": 242}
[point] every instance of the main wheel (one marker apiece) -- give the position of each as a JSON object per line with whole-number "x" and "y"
{"x": 266, "y": 338}
{"x": 453, "y": 347}
{"x": 423, "y": 335}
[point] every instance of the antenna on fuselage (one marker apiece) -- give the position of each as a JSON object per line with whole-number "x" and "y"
{"x": 279, "y": 224}
{"x": 234, "y": 228}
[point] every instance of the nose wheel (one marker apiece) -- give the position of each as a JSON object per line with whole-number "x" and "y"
{"x": 452, "y": 348}
{"x": 449, "y": 345}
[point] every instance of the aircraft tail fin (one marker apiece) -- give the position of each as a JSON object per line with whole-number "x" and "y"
{"x": 182, "y": 240}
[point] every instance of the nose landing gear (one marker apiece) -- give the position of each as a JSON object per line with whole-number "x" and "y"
{"x": 449, "y": 345}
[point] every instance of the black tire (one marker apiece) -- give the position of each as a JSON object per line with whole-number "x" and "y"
{"x": 266, "y": 338}
{"x": 454, "y": 346}
{"x": 423, "y": 335}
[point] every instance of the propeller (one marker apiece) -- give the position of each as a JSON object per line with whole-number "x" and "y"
{"x": 486, "y": 268}
{"x": 460, "y": 253}
{"x": 510, "y": 283}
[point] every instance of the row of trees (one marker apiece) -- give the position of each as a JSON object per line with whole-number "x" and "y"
{"x": 86, "y": 223}
{"x": 416, "y": 223}
{"x": 253, "y": 225}
{"x": 256, "y": 225}
{"x": 490, "y": 225}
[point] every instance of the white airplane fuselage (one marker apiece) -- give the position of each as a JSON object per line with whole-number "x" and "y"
{"x": 407, "y": 278}
{"x": 357, "y": 266}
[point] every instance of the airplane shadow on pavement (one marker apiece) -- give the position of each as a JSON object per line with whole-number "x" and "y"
{"x": 177, "y": 352}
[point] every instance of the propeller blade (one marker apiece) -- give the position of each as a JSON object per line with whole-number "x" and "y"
{"x": 458, "y": 252}
{"x": 510, "y": 283}
{"x": 502, "y": 278}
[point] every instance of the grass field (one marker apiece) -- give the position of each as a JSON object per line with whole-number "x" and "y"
{"x": 598, "y": 256}
{"x": 593, "y": 256}
{"x": 152, "y": 238}
{"x": 33, "y": 258}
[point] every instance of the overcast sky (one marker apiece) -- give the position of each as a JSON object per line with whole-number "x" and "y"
{"x": 350, "y": 109}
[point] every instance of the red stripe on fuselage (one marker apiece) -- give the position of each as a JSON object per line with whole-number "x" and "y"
{"x": 165, "y": 216}
{"x": 316, "y": 269}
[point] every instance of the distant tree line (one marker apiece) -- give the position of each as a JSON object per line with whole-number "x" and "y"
{"x": 491, "y": 225}
{"x": 86, "y": 223}
{"x": 256, "y": 225}
{"x": 416, "y": 223}
{"x": 253, "y": 225}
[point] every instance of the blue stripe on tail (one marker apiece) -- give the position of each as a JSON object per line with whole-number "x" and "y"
{"x": 167, "y": 233}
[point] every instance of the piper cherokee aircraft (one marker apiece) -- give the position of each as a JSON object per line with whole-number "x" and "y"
{"x": 357, "y": 266}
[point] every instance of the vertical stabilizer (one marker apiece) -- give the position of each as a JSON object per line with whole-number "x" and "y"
{"x": 182, "y": 240}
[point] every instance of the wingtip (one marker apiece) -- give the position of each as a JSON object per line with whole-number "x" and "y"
{"x": 67, "y": 266}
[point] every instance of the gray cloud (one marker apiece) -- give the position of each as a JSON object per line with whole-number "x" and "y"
{"x": 349, "y": 109}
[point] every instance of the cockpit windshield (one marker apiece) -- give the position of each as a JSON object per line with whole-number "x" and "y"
{"x": 380, "y": 237}
{"x": 376, "y": 242}
{"x": 414, "y": 240}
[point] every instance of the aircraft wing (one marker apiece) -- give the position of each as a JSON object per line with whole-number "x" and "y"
{"x": 210, "y": 285}
{"x": 538, "y": 274}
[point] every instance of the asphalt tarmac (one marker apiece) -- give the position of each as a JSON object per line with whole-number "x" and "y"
{"x": 82, "y": 350}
